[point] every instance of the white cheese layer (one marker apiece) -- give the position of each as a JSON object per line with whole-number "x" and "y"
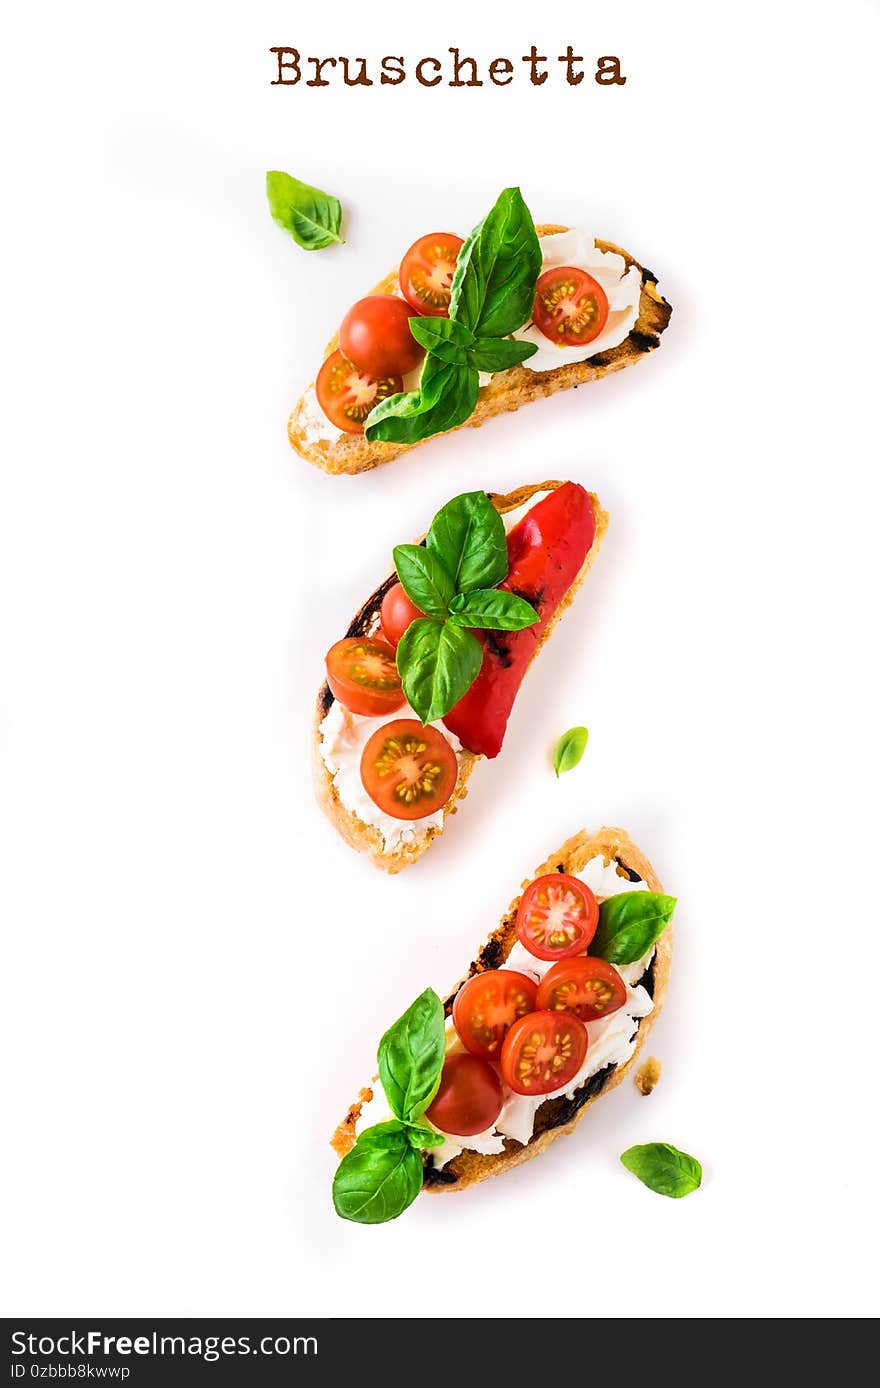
{"x": 611, "y": 1041}
{"x": 622, "y": 286}
{"x": 343, "y": 738}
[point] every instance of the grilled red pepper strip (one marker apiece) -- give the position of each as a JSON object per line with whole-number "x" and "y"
{"x": 546, "y": 551}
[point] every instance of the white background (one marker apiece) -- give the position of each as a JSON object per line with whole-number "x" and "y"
{"x": 197, "y": 969}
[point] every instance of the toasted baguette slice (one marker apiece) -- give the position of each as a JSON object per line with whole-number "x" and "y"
{"x": 365, "y": 837}
{"x": 507, "y": 390}
{"x": 555, "y": 1117}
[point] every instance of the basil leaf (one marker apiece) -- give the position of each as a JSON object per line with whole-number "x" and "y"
{"x": 411, "y": 1055}
{"x": 493, "y": 288}
{"x": 447, "y": 396}
{"x": 447, "y": 340}
{"x": 469, "y": 539}
{"x": 420, "y": 1137}
{"x": 312, "y": 217}
{"x": 499, "y": 353}
{"x": 493, "y": 608}
{"x": 569, "y": 750}
{"x": 425, "y": 580}
{"x": 664, "y": 1169}
{"x": 629, "y": 924}
{"x": 438, "y": 663}
{"x": 379, "y": 1177}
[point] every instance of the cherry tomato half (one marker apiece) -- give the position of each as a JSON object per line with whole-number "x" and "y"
{"x": 487, "y": 1006}
{"x": 543, "y": 1052}
{"x": 587, "y": 988}
{"x": 375, "y": 335}
{"x": 407, "y": 770}
{"x": 362, "y": 675}
{"x": 347, "y": 395}
{"x": 396, "y": 613}
{"x": 469, "y": 1099}
{"x": 426, "y": 273}
{"x": 571, "y": 308}
{"x": 557, "y": 916}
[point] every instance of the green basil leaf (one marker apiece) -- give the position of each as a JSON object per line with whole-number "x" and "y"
{"x": 312, "y": 217}
{"x": 411, "y": 1055}
{"x": 499, "y": 353}
{"x": 438, "y": 663}
{"x": 446, "y": 397}
{"x": 664, "y": 1169}
{"x": 469, "y": 539}
{"x": 569, "y": 750}
{"x": 493, "y": 608}
{"x": 425, "y": 580}
{"x": 421, "y": 1137}
{"x": 379, "y": 1177}
{"x": 493, "y": 289}
{"x": 447, "y": 340}
{"x": 629, "y": 924}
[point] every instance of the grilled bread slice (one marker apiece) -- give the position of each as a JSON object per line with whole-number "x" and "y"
{"x": 555, "y": 1117}
{"x": 366, "y": 837}
{"x": 507, "y": 390}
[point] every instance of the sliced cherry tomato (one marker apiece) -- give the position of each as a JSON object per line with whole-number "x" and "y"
{"x": 426, "y": 273}
{"x": 396, "y": 613}
{"x": 469, "y": 1099}
{"x": 407, "y": 770}
{"x": 347, "y": 395}
{"x": 542, "y": 1052}
{"x": 587, "y": 988}
{"x": 557, "y": 916}
{"x": 362, "y": 675}
{"x": 375, "y": 335}
{"x": 571, "y": 308}
{"x": 487, "y": 1006}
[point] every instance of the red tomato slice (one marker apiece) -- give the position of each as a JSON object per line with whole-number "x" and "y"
{"x": 557, "y": 916}
{"x": 407, "y": 770}
{"x": 362, "y": 675}
{"x": 375, "y": 335}
{"x": 469, "y": 1099}
{"x": 587, "y": 988}
{"x": 396, "y": 613}
{"x": 543, "y": 1052}
{"x": 347, "y": 395}
{"x": 426, "y": 273}
{"x": 488, "y": 1005}
{"x": 571, "y": 308}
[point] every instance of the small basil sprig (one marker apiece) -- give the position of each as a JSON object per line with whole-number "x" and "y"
{"x": 452, "y": 578}
{"x": 313, "y": 218}
{"x": 382, "y": 1174}
{"x": 664, "y": 1169}
{"x": 492, "y": 295}
{"x": 569, "y": 750}
{"x": 629, "y": 924}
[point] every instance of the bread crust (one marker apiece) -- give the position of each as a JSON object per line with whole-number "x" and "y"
{"x": 507, "y": 390}
{"x": 468, "y": 1168}
{"x": 366, "y": 838}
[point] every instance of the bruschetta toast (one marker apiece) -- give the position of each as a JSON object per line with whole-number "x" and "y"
{"x": 628, "y": 324}
{"x": 339, "y": 735}
{"x": 616, "y": 1008}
